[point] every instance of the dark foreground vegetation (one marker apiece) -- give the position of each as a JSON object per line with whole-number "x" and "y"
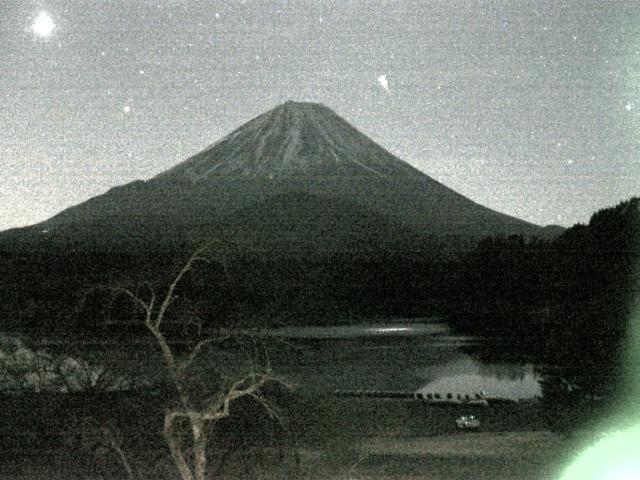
{"x": 555, "y": 299}
{"x": 117, "y": 436}
{"x": 562, "y": 304}
{"x": 565, "y": 305}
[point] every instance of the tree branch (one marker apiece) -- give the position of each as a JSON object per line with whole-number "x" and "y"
{"x": 220, "y": 409}
{"x": 170, "y": 297}
{"x": 215, "y": 407}
{"x": 198, "y": 348}
{"x": 135, "y": 298}
{"x": 270, "y": 410}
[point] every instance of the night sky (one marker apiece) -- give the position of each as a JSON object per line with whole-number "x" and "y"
{"x": 531, "y": 108}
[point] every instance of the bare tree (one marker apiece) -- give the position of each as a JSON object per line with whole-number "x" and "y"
{"x": 198, "y": 413}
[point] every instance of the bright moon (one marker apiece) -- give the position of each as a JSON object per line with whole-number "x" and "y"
{"x": 43, "y": 25}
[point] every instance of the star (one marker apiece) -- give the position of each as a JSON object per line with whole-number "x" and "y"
{"x": 126, "y": 109}
{"x": 628, "y": 106}
{"x": 42, "y": 25}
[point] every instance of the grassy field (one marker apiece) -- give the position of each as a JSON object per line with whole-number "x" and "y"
{"x": 487, "y": 455}
{"x": 60, "y": 437}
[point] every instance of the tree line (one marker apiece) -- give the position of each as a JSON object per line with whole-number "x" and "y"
{"x": 554, "y": 299}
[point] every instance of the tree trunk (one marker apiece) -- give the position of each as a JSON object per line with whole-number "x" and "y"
{"x": 174, "y": 447}
{"x": 199, "y": 447}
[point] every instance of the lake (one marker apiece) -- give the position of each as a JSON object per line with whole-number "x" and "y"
{"x": 403, "y": 355}
{"x": 411, "y": 355}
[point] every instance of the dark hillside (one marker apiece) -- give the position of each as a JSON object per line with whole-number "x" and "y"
{"x": 564, "y": 304}
{"x": 321, "y": 225}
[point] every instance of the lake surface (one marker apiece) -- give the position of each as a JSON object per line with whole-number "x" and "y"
{"x": 417, "y": 356}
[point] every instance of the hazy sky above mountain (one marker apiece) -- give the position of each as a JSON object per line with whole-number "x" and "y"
{"x": 530, "y": 108}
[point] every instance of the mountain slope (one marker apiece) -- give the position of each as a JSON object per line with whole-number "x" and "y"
{"x": 296, "y": 148}
{"x": 323, "y": 223}
{"x": 292, "y": 139}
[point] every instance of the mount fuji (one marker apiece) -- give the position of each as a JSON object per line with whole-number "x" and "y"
{"x": 319, "y": 224}
{"x": 294, "y": 178}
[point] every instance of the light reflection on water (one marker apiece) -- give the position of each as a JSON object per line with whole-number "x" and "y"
{"x": 417, "y": 356}
{"x": 467, "y": 376}
{"x": 359, "y": 331}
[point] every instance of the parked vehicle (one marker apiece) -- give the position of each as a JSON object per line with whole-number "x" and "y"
{"x": 468, "y": 422}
